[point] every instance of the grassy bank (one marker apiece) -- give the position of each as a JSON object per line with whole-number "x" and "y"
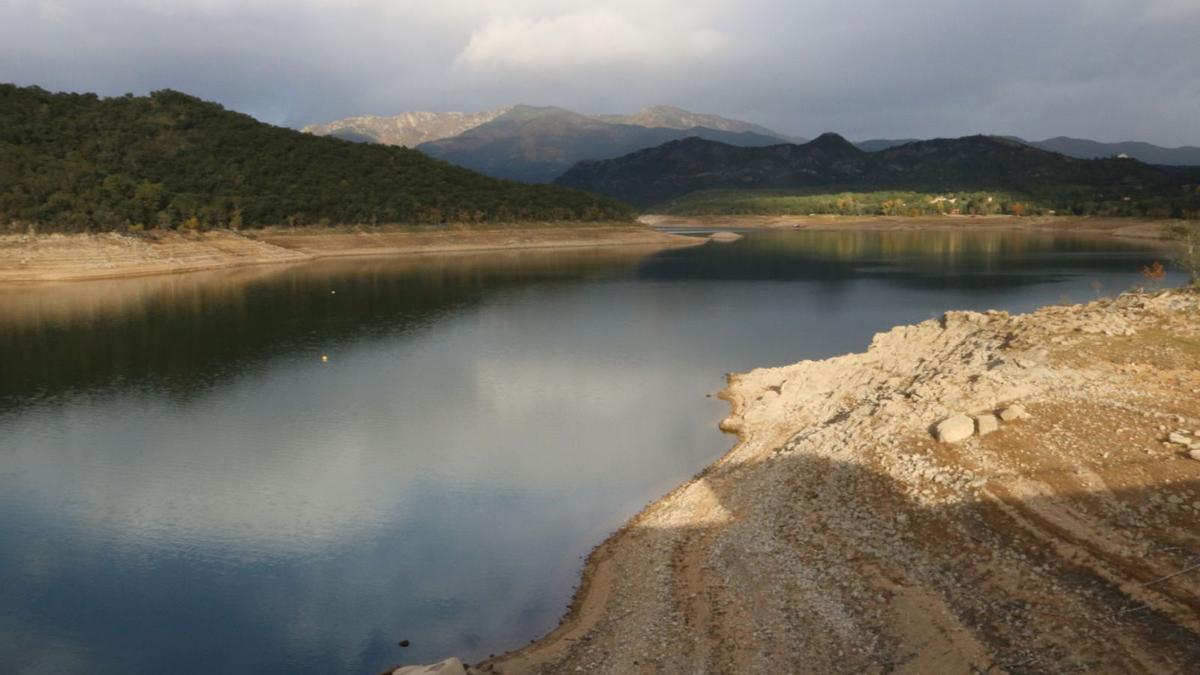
{"x": 1076, "y": 202}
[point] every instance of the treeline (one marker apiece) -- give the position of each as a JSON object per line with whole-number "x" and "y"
{"x": 819, "y": 171}
{"x": 1065, "y": 201}
{"x": 169, "y": 160}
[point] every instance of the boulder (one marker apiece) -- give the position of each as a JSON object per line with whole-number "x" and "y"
{"x": 1194, "y": 454}
{"x": 986, "y": 424}
{"x": 450, "y": 666}
{"x": 1014, "y": 412}
{"x": 954, "y": 429}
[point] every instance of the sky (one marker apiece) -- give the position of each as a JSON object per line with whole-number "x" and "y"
{"x": 1109, "y": 70}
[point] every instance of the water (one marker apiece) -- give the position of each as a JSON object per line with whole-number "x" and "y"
{"x": 185, "y": 486}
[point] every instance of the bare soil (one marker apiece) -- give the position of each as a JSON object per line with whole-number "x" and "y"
{"x": 69, "y": 257}
{"x": 1119, "y": 227}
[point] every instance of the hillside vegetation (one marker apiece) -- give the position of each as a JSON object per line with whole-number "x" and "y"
{"x": 976, "y": 174}
{"x": 1080, "y": 148}
{"x": 80, "y": 162}
{"x": 909, "y": 203}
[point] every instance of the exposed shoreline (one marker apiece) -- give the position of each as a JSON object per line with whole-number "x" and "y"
{"x": 839, "y": 536}
{"x": 33, "y": 258}
{"x": 1133, "y": 228}
{"x": 78, "y": 257}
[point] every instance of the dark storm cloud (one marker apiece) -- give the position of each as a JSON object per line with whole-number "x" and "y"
{"x": 1106, "y": 69}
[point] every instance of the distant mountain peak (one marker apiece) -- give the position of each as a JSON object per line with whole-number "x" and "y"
{"x": 528, "y": 109}
{"x": 664, "y": 110}
{"x": 538, "y": 143}
{"x": 674, "y": 117}
{"x": 831, "y": 139}
{"x": 409, "y": 129}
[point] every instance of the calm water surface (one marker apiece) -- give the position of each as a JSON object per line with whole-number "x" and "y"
{"x": 186, "y": 487}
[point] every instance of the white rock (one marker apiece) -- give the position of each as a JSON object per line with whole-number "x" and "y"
{"x": 955, "y": 429}
{"x": 1178, "y": 439}
{"x": 1194, "y": 454}
{"x": 450, "y": 666}
{"x": 1014, "y": 412}
{"x": 986, "y": 424}
{"x": 724, "y": 236}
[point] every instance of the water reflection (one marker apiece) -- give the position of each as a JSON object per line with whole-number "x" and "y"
{"x": 184, "y": 331}
{"x": 938, "y": 259}
{"x": 185, "y": 486}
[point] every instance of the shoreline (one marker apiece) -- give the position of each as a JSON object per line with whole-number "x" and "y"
{"x": 1130, "y": 228}
{"x": 838, "y": 515}
{"x": 41, "y": 258}
{"x": 44, "y": 258}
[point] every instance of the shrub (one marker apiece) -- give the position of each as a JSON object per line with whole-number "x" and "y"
{"x": 1188, "y": 258}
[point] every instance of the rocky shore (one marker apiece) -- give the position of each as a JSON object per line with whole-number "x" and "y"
{"x": 1054, "y": 528}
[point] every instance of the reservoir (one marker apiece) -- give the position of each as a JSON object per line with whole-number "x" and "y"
{"x": 290, "y": 469}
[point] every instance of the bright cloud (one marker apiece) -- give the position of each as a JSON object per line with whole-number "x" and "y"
{"x": 587, "y": 39}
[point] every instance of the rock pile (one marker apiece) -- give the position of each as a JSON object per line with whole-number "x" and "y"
{"x": 1189, "y": 442}
{"x": 960, "y": 427}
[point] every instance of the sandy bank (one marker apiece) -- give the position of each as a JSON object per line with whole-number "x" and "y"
{"x": 1119, "y": 227}
{"x": 839, "y": 536}
{"x": 58, "y": 257}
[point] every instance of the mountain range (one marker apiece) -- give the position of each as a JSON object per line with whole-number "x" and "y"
{"x": 407, "y": 129}
{"x": 1081, "y": 148}
{"x": 656, "y": 175}
{"x": 537, "y": 144}
{"x": 670, "y": 117}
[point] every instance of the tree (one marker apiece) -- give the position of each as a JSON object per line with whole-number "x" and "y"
{"x": 1188, "y": 257}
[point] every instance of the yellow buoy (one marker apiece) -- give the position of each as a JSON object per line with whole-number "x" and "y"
{"x": 324, "y": 358}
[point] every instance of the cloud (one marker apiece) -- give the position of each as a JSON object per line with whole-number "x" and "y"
{"x": 587, "y": 39}
{"x": 1112, "y": 69}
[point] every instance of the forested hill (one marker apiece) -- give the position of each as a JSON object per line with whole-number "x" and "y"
{"x": 77, "y": 161}
{"x": 831, "y": 164}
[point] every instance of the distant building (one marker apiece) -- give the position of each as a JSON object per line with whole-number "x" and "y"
{"x": 1123, "y": 156}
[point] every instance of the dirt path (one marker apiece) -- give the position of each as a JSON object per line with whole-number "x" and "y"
{"x": 840, "y": 536}
{"x": 58, "y": 257}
